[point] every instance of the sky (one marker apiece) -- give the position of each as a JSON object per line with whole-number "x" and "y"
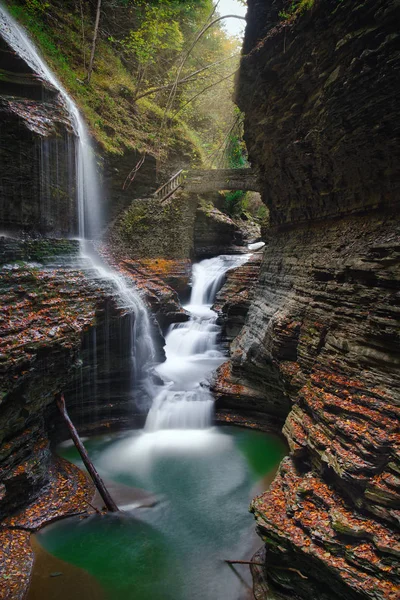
{"x": 233, "y": 7}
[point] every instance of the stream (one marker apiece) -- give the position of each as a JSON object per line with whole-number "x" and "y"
{"x": 190, "y": 482}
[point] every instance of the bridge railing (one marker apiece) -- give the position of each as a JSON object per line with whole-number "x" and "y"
{"x": 169, "y": 188}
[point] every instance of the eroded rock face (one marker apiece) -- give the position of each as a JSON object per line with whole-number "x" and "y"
{"x": 63, "y": 329}
{"x": 216, "y": 233}
{"x": 234, "y": 298}
{"x": 322, "y": 334}
{"x": 322, "y": 113}
{"x": 37, "y": 142}
{"x": 44, "y": 312}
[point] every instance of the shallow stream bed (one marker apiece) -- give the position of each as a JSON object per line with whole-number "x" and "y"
{"x": 173, "y": 545}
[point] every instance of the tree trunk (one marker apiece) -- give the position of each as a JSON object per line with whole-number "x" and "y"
{"x": 108, "y": 501}
{"x": 95, "y": 32}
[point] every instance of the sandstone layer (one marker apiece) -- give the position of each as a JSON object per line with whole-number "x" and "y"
{"x": 46, "y": 306}
{"x": 321, "y": 344}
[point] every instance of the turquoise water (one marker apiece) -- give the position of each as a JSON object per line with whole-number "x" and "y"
{"x": 203, "y": 481}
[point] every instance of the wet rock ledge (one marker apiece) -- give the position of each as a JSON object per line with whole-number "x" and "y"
{"x": 63, "y": 329}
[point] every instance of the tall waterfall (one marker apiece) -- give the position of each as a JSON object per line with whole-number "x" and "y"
{"x": 192, "y": 354}
{"x": 88, "y": 200}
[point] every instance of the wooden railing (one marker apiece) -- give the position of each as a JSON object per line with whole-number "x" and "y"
{"x": 169, "y": 188}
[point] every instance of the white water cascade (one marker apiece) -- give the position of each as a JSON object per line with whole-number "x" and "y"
{"x": 88, "y": 201}
{"x": 192, "y": 354}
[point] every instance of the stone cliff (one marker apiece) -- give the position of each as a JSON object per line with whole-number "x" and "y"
{"x": 64, "y": 329}
{"x": 321, "y": 345}
{"x": 36, "y": 191}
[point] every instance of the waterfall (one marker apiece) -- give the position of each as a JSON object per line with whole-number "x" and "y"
{"x": 88, "y": 188}
{"x": 192, "y": 354}
{"x": 88, "y": 201}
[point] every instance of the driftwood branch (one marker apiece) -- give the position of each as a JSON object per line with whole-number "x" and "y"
{"x": 108, "y": 501}
{"x": 96, "y": 510}
{"x": 258, "y": 564}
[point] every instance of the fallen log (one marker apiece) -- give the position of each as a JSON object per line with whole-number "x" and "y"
{"x": 97, "y": 480}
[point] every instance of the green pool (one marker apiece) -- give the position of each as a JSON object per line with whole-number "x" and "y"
{"x": 202, "y": 482}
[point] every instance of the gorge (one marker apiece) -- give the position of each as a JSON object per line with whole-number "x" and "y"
{"x": 300, "y": 337}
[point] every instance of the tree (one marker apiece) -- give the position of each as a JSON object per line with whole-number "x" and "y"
{"x": 95, "y": 33}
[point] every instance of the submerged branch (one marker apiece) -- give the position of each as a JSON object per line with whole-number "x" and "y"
{"x": 259, "y": 564}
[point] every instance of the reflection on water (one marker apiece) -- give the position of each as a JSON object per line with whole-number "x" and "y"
{"x": 203, "y": 480}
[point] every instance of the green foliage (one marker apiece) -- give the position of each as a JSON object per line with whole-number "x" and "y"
{"x": 140, "y": 46}
{"x": 235, "y": 203}
{"x": 236, "y": 152}
{"x": 158, "y": 31}
{"x": 36, "y": 6}
{"x": 295, "y": 8}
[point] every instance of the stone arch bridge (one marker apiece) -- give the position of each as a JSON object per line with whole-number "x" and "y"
{"x": 200, "y": 181}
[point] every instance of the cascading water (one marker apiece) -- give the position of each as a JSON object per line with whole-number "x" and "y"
{"x": 192, "y": 354}
{"x": 88, "y": 201}
{"x": 88, "y": 188}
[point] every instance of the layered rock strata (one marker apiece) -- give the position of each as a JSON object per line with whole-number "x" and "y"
{"x": 216, "y": 233}
{"x": 44, "y": 313}
{"x": 233, "y": 301}
{"x": 37, "y": 141}
{"x": 62, "y": 329}
{"x": 321, "y": 343}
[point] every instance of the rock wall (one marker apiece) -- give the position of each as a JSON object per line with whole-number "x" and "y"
{"x": 216, "y": 233}
{"x": 185, "y": 227}
{"x": 36, "y": 142}
{"x": 62, "y": 330}
{"x": 319, "y": 93}
{"x": 149, "y": 229}
{"x": 321, "y": 342}
{"x": 44, "y": 311}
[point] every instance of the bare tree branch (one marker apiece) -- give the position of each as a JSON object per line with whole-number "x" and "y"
{"x": 184, "y": 80}
{"x": 197, "y": 38}
{"x": 204, "y": 29}
{"x": 95, "y": 32}
{"x": 204, "y": 90}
